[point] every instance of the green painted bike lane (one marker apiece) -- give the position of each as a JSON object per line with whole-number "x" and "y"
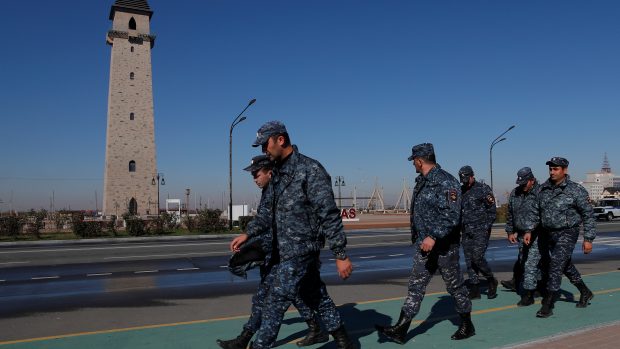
{"x": 498, "y": 323}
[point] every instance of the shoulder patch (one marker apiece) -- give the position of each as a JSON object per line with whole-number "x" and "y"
{"x": 452, "y": 195}
{"x": 490, "y": 199}
{"x": 588, "y": 199}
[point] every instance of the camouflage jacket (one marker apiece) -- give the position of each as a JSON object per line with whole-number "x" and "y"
{"x": 478, "y": 205}
{"x": 522, "y": 214}
{"x": 566, "y": 206}
{"x": 300, "y": 209}
{"x": 436, "y": 207}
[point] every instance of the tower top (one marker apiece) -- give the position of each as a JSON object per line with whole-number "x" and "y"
{"x": 140, "y": 7}
{"x": 606, "y": 168}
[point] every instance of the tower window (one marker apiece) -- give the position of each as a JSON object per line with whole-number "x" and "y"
{"x": 132, "y": 24}
{"x": 132, "y": 166}
{"x": 131, "y": 76}
{"x": 131, "y": 116}
{"x": 131, "y": 48}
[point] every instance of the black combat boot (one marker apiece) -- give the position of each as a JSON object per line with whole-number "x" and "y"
{"x": 342, "y": 339}
{"x": 474, "y": 291}
{"x": 466, "y": 328}
{"x": 398, "y": 332}
{"x": 241, "y": 342}
{"x": 492, "y": 290}
{"x": 527, "y": 298}
{"x": 586, "y": 295}
{"x": 315, "y": 334}
{"x": 510, "y": 284}
{"x": 547, "y": 305}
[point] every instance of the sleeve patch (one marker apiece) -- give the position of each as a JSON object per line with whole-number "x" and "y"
{"x": 490, "y": 199}
{"x": 452, "y": 195}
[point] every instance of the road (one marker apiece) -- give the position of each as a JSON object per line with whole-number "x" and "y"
{"x": 76, "y": 288}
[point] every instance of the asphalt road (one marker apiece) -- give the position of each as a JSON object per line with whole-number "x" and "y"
{"x": 74, "y": 288}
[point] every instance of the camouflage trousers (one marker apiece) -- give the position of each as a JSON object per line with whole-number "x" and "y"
{"x": 529, "y": 257}
{"x": 475, "y": 241}
{"x": 258, "y": 302}
{"x": 560, "y": 245}
{"x": 299, "y": 276}
{"x": 424, "y": 266}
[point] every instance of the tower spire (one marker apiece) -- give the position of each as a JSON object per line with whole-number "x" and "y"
{"x": 606, "y": 168}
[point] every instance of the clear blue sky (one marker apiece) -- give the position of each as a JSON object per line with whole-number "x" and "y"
{"x": 356, "y": 82}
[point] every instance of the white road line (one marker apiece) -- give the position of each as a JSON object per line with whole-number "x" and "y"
{"x": 145, "y": 271}
{"x": 396, "y": 255}
{"x": 614, "y": 244}
{"x": 183, "y": 269}
{"x": 171, "y": 255}
{"x": 2, "y": 280}
{"x": 45, "y": 277}
{"x": 15, "y": 262}
{"x": 408, "y": 234}
{"x": 223, "y": 266}
{"x": 113, "y": 248}
{"x": 99, "y": 274}
{"x": 367, "y": 257}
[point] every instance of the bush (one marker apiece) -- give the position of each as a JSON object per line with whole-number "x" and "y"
{"x": 136, "y": 226}
{"x": 243, "y": 221}
{"x": 209, "y": 221}
{"x": 111, "y": 226}
{"x": 35, "y": 222}
{"x": 11, "y": 226}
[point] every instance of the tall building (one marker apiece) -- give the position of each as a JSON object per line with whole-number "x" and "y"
{"x": 130, "y": 161}
{"x": 596, "y": 182}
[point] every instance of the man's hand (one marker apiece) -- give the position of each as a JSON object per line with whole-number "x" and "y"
{"x": 527, "y": 238}
{"x": 235, "y": 245}
{"x": 586, "y": 247}
{"x": 345, "y": 268}
{"x": 512, "y": 238}
{"x": 427, "y": 244}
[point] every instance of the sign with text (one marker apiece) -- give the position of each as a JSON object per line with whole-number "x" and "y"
{"x": 349, "y": 215}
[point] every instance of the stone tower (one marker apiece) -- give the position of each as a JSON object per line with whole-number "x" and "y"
{"x": 130, "y": 162}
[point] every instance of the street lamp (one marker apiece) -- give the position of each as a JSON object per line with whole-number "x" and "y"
{"x": 232, "y": 126}
{"x": 495, "y": 141}
{"x": 156, "y": 180}
{"x": 339, "y": 183}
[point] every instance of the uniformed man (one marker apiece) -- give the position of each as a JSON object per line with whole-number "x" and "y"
{"x": 261, "y": 169}
{"x": 435, "y": 217}
{"x": 522, "y": 223}
{"x": 478, "y": 215}
{"x": 300, "y": 213}
{"x": 564, "y": 207}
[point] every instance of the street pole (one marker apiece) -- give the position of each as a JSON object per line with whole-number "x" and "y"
{"x": 339, "y": 183}
{"x": 235, "y": 122}
{"x": 156, "y": 180}
{"x": 495, "y": 141}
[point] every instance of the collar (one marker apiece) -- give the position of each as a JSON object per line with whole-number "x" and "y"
{"x": 288, "y": 165}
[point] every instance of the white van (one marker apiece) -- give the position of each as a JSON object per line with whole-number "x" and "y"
{"x": 607, "y": 208}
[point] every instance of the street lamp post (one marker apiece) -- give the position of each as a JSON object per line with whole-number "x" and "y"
{"x": 158, "y": 179}
{"x": 232, "y": 126}
{"x": 339, "y": 183}
{"x": 495, "y": 141}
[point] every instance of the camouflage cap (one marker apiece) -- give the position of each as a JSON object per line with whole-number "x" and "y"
{"x": 258, "y": 162}
{"x": 268, "y": 129}
{"x": 465, "y": 173}
{"x": 524, "y": 175}
{"x": 557, "y": 161}
{"x": 424, "y": 149}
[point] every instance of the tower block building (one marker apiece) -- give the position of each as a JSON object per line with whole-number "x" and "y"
{"x": 130, "y": 157}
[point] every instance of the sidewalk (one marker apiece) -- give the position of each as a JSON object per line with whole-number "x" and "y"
{"x": 606, "y": 336}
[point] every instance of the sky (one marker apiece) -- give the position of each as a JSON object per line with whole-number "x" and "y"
{"x": 357, "y": 83}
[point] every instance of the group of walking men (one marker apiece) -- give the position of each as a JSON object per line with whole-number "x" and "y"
{"x": 297, "y": 214}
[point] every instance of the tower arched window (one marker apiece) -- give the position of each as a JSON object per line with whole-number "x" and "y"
{"x": 132, "y": 166}
{"x": 132, "y": 24}
{"x": 131, "y": 116}
{"x": 131, "y": 48}
{"x": 131, "y": 76}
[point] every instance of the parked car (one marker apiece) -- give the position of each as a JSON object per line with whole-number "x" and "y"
{"x": 607, "y": 208}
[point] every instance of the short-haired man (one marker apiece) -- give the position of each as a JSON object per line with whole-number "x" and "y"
{"x": 478, "y": 215}
{"x": 301, "y": 212}
{"x": 261, "y": 169}
{"x": 564, "y": 207}
{"x": 435, "y": 217}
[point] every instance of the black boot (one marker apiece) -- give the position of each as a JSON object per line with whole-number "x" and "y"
{"x": 466, "y": 329}
{"x": 509, "y": 285}
{"x": 241, "y": 342}
{"x": 315, "y": 334}
{"x": 527, "y": 298}
{"x": 342, "y": 339}
{"x": 474, "y": 291}
{"x": 547, "y": 305}
{"x": 586, "y": 295}
{"x": 492, "y": 290}
{"x": 398, "y": 332}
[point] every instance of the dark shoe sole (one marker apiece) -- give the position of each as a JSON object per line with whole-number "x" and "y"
{"x": 381, "y": 331}
{"x": 323, "y": 339}
{"x": 543, "y": 315}
{"x": 508, "y": 286}
{"x": 586, "y": 302}
{"x": 458, "y": 338}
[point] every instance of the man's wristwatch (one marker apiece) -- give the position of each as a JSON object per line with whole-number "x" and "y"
{"x": 341, "y": 255}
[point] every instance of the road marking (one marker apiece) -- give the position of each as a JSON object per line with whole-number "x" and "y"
{"x": 127, "y": 329}
{"x": 60, "y": 249}
{"x": 44, "y": 277}
{"x": 170, "y": 255}
{"x": 15, "y": 262}
{"x": 367, "y": 257}
{"x": 184, "y": 269}
{"x": 223, "y": 266}
{"x": 99, "y": 274}
{"x": 396, "y": 255}
{"x": 145, "y": 271}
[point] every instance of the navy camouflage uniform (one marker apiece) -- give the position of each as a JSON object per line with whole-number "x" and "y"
{"x": 477, "y": 216}
{"x": 301, "y": 206}
{"x": 435, "y": 213}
